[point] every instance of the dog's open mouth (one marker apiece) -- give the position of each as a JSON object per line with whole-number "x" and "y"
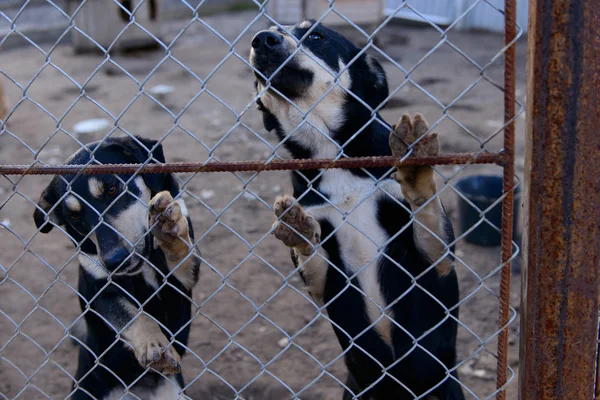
{"x": 133, "y": 268}
{"x": 134, "y": 264}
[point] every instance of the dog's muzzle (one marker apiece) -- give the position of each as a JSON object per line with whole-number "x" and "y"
{"x": 266, "y": 41}
{"x": 268, "y": 52}
{"x": 123, "y": 260}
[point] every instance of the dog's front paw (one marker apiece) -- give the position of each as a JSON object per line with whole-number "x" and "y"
{"x": 170, "y": 226}
{"x": 417, "y": 182}
{"x": 158, "y": 355}
{"x": 407, "y": 131}
{"x": 295, "y": 228}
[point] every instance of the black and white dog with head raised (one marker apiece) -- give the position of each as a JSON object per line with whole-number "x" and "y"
{"x": 137, "y": 326}
{"x": 374, "y": 252}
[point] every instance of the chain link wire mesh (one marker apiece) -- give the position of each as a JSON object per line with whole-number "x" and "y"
{"x": 255, "y": 333}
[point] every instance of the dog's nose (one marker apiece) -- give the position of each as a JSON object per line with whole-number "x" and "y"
{"x": 266, "y": 40}
{"x": 115, "y": 258}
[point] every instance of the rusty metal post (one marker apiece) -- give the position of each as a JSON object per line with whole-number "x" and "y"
{"x": 561, "y": 257}
{"x": 508, "y": 182}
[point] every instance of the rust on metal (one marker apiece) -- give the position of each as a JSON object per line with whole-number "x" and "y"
{"x": 561, "y": 258}
{"x": 262, "y": 165}
{"x": 597, "y": 384}
{"x": 508, "y": 179}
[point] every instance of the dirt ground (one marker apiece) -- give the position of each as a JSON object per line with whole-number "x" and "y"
{"x": 248, "y": 299}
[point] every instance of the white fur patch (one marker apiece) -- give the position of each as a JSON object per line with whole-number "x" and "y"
{"x": 184, "y": 210}
{"x": 360, "y": 235}
{"x": 314, "y": 270}
{"x": 132, "y": 222}
{"x": 72, "y": 203}
{"x": 305, "y": 24}
{"x": 96, "y": 187}
{"x": 92, "y": 265}
{"x": 149, "y": 275}
{"x": 167, "y": 389}
{"x": 376, "y": 71}
{"x": 144, "y": 190}
{"x": 313, "y": 130}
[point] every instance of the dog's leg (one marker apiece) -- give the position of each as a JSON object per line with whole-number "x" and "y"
{"x": 150, "y": 345}
{"x": 302, "y": 233}
{"x": 298, "y": 230}
{"x": 418, "y": 186}
{"x": 172, "y": 235}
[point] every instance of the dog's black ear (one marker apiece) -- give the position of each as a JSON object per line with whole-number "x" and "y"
{"x": 375, "y": 87}
{"x": 43, "y": 217}
{"x": 156, "y": 182}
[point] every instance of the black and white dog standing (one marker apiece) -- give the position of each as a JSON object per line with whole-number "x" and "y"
{"x": 358, "y": 251}
{"x": 122, "y": 271}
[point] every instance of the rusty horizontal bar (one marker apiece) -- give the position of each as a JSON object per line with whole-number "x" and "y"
{"x": 561, "y": 257}
{"x": 261, "y": 165}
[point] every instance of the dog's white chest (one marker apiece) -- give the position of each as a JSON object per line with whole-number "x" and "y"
{"x": 352, "y": 210}
{"x": 166, "y": 389}
{"x": 352, "y": 207}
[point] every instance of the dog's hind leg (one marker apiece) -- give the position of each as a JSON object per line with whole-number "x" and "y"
{"x": 432, "y": 230}
{"x": 171, "y": 231}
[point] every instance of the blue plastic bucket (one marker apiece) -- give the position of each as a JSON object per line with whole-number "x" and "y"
{"x": 482, "y": 191}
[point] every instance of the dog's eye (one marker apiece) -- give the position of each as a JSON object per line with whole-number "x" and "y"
{"x": 315, "y": 36}
{"x": 112, "y": 190}
{"x": 74, "y": 217}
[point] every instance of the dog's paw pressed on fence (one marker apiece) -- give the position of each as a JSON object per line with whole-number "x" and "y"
{"x": 170, "y": 226}
{"x": 159, "y": 356}
{"x": 295, "y": 228}
{"x": 417, "y": 183}
{"x": 407, "y": 131}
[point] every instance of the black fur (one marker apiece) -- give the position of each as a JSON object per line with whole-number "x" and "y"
{"x": 414, "y": 310}
{"x": 102, "y": 303}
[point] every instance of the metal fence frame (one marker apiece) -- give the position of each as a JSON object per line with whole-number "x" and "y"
{"x": 506, "y": 159}
{"x": 561, "y": 242}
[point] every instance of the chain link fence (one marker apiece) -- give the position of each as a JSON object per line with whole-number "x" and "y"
{"x": 254, "y": 332}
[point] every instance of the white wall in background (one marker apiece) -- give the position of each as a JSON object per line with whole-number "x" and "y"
{"x": 484, "y": 15}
